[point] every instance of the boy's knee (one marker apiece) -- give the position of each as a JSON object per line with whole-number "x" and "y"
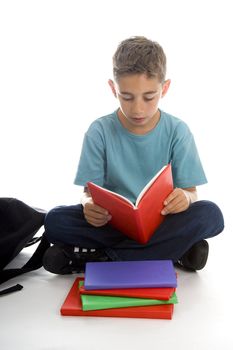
{"x": 210, "y": 214}
{"x": 51, "y": 225}
{"x": 62, "y": 220}
{"x": 50, "y": 219}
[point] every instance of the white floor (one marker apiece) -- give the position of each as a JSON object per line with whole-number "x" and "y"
{"x": 30, "y": 319}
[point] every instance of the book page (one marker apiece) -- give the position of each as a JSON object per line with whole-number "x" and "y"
{"x": 117, "y": 195}
{"x": 148, "y": 186}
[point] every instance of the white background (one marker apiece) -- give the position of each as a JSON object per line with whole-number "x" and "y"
{"x": 55, "y": 60}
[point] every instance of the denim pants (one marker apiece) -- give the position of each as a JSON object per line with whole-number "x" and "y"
{"x": 177, "y": 233}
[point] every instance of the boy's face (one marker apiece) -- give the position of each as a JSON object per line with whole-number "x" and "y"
{"x": 139, "y": 98}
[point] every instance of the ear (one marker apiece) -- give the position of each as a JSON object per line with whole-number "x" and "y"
{"x": 112, "y": 86}
{"x": 166, "y": 85}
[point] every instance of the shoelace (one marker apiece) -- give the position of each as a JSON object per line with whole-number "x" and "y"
{"x": 84, "y": 250}
{"x": 79, "y": 256}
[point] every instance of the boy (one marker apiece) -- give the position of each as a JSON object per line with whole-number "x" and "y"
{"x": 122, "y": 152}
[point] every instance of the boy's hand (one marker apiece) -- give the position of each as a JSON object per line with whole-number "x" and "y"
{"x": 94, "y": 214}
{"x": 179, "y": 200}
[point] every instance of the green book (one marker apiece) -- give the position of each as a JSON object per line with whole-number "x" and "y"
{"x": 100, "y": 302}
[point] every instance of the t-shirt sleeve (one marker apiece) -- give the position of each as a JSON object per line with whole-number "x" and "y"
{"x": 186, "y": 164}
{"x": 92, "y": 160}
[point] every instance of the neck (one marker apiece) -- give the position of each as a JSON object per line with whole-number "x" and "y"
{"x": 140, "y": 129}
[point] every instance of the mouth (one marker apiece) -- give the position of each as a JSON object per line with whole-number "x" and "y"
{"x": 138, "y": 120}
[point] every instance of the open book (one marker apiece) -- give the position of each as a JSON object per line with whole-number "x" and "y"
{"x": 140, "y": 220}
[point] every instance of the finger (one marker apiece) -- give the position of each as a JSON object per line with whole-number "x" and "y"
{"x": 97, "y": 219}
{"x": 97, "y": 209}
{"x": 176, "y": 202}
{"x": 98, "y": 224}
{"x": 175, "y": 197}
{"x": 96, "y": 215}
{"x": 179, "y": 208}
{"x": 95, "y": 222}
{"x": 177, "y": 193}
{"x": 171, "y": 196}
{"x": 174, "y": 209}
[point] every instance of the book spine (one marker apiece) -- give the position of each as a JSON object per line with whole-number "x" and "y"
{"x": 140, "y": 227}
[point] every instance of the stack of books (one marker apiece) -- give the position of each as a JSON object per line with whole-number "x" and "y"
{"x": 137, "y": 289}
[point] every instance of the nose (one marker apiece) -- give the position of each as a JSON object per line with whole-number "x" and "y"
{"x": 137, "y": 107}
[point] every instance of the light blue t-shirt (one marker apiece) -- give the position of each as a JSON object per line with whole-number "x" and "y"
{"x": 124, "y": 162}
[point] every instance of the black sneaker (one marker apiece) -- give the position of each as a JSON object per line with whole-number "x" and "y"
{"x": 196, "y": 257}
{"x": 67, "y": 259}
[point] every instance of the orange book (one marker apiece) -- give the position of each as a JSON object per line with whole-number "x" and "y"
{"x": 72, "y": 306}
{"x": 140, "y": 220}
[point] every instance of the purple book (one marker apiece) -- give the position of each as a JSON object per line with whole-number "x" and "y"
{"x": 130, "y": 274}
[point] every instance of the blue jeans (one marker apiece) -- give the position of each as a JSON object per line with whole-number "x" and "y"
{"x": 177, "y": 233}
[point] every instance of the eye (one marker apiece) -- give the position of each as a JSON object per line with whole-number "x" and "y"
{"x": 127, "y": 98}
{"x": 148, "y": 98}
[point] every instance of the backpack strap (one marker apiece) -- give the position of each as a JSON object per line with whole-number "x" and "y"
{"x": 33, "y": 241}
{"x": 34, "y": 263}
{"x": 11, "y": 289}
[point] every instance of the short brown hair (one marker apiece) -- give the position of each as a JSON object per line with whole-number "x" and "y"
{"x": 139, "y": 55}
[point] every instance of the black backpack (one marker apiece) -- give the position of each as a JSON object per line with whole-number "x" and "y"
{"x": 18, "y": 225}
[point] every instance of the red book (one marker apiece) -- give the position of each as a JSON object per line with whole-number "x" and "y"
{"x": 138, "y": 221}
{"x": 72, "y": 306}
{"x": 147, "y": 293}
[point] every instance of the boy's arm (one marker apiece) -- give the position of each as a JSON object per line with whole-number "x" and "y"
{"x": 95, "y": 215}
{"x": 179, "y": 200}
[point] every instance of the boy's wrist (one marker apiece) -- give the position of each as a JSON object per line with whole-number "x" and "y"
{"x": 191, "y": 196}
